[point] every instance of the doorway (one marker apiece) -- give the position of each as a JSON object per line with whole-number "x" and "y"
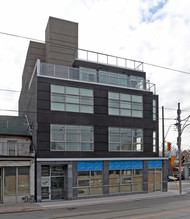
{"x": 52, "y": 182}
{"x": 154, "y": 180}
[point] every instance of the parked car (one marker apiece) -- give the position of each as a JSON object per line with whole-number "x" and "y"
{"x": 172, "y": 178}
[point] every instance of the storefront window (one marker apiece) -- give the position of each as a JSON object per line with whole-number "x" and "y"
{"x": 10, "y": 181}
{"x": 23, "y": 180}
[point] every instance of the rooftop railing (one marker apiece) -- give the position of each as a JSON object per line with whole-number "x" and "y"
{"x": 102, "y": 58}
{"x": 70, "y": 73}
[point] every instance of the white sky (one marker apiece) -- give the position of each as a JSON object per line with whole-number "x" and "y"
{"x": 152, "y": 31}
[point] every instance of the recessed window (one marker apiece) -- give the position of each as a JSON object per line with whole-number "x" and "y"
{"x": 125, "y": 105}
{"x": 125, "y": 139}
{"x": 154, "y": 110}
{"x": 72, "y": 99}
{"x": 72, "y": 138}
{"x": 154, "y": 141}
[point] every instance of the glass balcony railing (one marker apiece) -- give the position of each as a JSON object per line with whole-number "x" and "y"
{"x": 93, "y": 76}
{"x": 102, "y": 58}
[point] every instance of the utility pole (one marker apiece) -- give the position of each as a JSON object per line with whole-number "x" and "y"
{"x": 179, "y": 144}
{"x": 163, "y": 137}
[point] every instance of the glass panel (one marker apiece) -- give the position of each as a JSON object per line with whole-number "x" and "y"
{"x": 97, "y": 190}
{"x": 83, "y": 191}
{"x": 96, "y": 174}
{"x": 23, "y": 180}
{"x": 114, "y": 147}
{"x": 45, "y": 193}
{"x": 86, "y": 92}
{"x": 72, "y": 90}
{"x": 158, "y": 181}
{"x": 126, "y": 105}
{"x": 57, "y": 171}
{"x": 86, "y": 147}
{"x": 126, "y": 180}
{"x": 45, "y": 170}
{"x": 114, "y": 103}
{"x": 126, "y": 172}
{"x": 150, "y": 181}
{"x": 136, "y": 98}
{"x": 125, "y": 112}
{"x": 72, "y": 107}
{"x": 57, "y": 188}
{"x": 10, "y": 181}
{"x": 84, "y": 182}
{"x": 72, "y": 146}
{"x": 113, "y": 80}
{"x": 137, "y": 106}
{"x": 72, "y": 137}
{"x": 57, "y": 97}
{"x": 103, "y": 78}
{"x": 57, "y": 146}
{"x": 57, "y": 106}
{"x": 112, "y": 95}
{"x": 126, "y": 188}
{"x": 72, "y": 99}
{"x": 86, "y": 109}
{"x": 96, "y": 182}
{"x": 57, "y": 89}
{"x": 114, "y": 173}
{"x": 113, "y": 111}
{"x": 114, "y": 138}
{"x": 86, "y": 100}
{"x": 126, "y": 147}
{"x": 125, "y": 97}
{"x": 57, "y": 132}
{"x": 136, "y": 113}
{"x": 113, "y": 189}
{"x": 83, "y": 174}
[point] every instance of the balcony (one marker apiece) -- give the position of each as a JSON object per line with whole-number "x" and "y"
{"x": 93, "y": 76}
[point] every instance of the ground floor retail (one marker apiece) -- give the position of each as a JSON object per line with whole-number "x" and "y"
{"x": 71, "y": 179}
{"x": 16, "y": 180}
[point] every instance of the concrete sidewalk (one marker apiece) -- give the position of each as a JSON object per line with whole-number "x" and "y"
{"x": 21, "y": 207}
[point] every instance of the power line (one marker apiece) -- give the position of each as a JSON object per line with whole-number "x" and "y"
{"x": 42, "y": 41}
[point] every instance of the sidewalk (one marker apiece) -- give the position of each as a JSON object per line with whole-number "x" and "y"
{"x": 20, "y": 207}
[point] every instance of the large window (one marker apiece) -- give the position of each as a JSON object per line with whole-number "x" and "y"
{"x": 89, "y": 183}
{"x": 125, "y": 105}
{"x": 154, "y": 141}
{"x": 72, "y": 138}
{"x": 72, "y": 99}
{"x": 125, "y": 181}
{"x": 125, "y": 139}
{"x": 16, "y": 180}
{"x": 154, "y": 109}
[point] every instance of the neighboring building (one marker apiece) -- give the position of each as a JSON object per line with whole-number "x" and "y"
{"x": 16, "y": 160}
{"x": 94, "y": 118}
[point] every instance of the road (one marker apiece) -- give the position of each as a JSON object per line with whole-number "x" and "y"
{"x": 166, "y": 207}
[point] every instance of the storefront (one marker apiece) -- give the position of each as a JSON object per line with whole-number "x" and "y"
{"x": 79, "y": 179}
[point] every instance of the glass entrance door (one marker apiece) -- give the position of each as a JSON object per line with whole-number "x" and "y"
{"x": 52, "y": 182}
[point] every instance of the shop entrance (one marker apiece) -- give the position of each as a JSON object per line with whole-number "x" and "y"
{"x": 52, "y": 182}
{"x": 154, "y": 180}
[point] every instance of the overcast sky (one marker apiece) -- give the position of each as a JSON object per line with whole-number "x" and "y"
{"x": 151, "y": 31}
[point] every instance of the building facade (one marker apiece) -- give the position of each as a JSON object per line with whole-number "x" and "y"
{"x": 16, "y": 160}
{"x": 94, "y": 119}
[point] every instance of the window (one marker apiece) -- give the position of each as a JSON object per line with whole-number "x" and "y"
{"x": 125, "y": 105}
{"x": 72, "y": 138}
{"x": 72, "y": 99}
{"x": 16, "y": 180}
{"x": 89, "y": 183}
{"x": 154, "y": 141}
{"x": 137, "y": 82}
{"x": 12, "y": 148}
{"x": 125, "y": 180}
{"x": 154, "y": 110}
{"x": 125, "y": 139}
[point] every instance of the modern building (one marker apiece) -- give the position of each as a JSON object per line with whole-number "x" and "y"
{"x": 94, "y": 119}
{"x": 16, "y": 160}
